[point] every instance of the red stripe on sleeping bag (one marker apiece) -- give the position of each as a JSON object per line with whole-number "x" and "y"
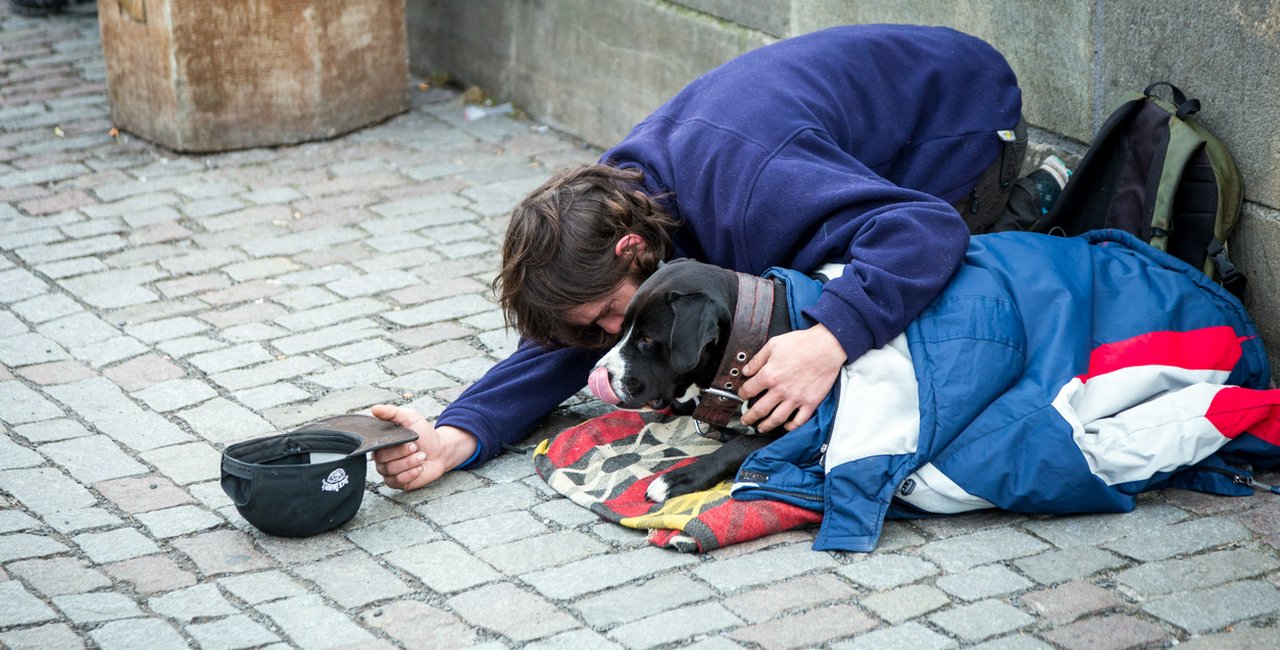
{"x": 1235, "y": 410}
{"x": 574, "y": 442}
{"x": 1211, "y": 348}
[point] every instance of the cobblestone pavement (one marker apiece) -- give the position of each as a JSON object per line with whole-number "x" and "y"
{"x": 158, "y": 306}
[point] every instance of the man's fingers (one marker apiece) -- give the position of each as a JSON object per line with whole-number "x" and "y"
{"x": 388, "y": 454}
{"x": 801, "y": 416}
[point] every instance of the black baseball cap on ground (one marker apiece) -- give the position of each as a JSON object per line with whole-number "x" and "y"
{"x": 309, "y": 480}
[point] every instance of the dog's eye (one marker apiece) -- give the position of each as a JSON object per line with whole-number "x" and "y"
{"x": 646, "y": 344}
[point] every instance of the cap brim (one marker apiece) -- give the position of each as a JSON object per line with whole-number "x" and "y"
{"x": 374, "y": 433}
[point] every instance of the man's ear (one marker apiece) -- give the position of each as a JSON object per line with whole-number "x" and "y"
{"x": 629, "y": 244}
{"x": 696, "y": 325}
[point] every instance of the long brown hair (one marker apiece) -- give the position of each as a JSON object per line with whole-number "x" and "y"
{"x": 559, "y": 250}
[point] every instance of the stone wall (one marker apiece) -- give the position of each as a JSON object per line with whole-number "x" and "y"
{"x": 594, "y": 68}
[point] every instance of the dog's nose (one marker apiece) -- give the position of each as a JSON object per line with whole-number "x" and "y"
{"x": 598, "y": 382}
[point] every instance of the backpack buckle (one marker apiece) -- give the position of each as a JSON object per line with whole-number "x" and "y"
{"x": 1228, "y": 274}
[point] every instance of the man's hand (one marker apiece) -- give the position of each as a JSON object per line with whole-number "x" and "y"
{"x": 791, "y": 375}
{"x": 415, "y": 464}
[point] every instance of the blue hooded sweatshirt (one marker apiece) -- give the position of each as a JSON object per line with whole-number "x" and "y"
{"x": 846, "y": 145}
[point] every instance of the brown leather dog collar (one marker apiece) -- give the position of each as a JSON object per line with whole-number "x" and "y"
{"x": 719, "y": 402}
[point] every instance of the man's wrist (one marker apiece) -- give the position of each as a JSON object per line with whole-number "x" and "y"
{"x": 460, "y": 447}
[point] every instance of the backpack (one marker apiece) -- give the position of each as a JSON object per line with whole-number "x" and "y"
{"x": 1155, "y": 172}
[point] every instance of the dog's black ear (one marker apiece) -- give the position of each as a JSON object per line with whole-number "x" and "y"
{"x": 696, "y": 325}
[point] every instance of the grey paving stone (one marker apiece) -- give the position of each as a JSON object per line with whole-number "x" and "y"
{"x": 982, "y": 582}
{"x": 115, "y": 545}
{"x": 778, "y": 563}
{"x": 967, "y": 551}
{"x": 908, "y": 636}
{"x": 674, "y": 625}
{"x": 1207, "y": 610}
{"x": 25, "y": 545}
{"x": 1185, "y": 574}
{"x": 440, "y": 310}
{"x": 372, "y": 283}
{"x": 632, "y": 602}
{"x": 302, "y": 550}
{"x": 511, "y": 612}
{"x": 238, "y": 356}
{"x": 232, "y": 632}
{"x": 78, "y": 329}
{"x": 268, "y": 373}
{"x": 19, "y": 404}
{"x": 137, "y": 633}
{"x": 443, "y": 566}
{"x": 92, "y": 459}
{"x": 14, "y": 455}
{"x": 564, "y": 512}
{"x": 884, "y": 571}
{"x": 1238, "y": 638}
{"x": 19, "y": 284}
{"x": 188, "y": 345}
{"x": 600, "y": 572}
{"x": 472, "y": 504}
{"x": 309, "y": 623}
{"x": 252, "y": 332}
{"x": 362, "y": 351}
{"x": 27, "y": 349}
{"x": 175, "y": 394}
{"x": 187, "y": 463}
{"x": 391, "y": 534}
{"x": 94, "y": 399}
{"x": 299, "y": 242}
{"x": 76, "y": 520}
{"x": 541, "y": 552}
{"x": 328, "y": 337}
{"x": 262, "y": 586}
{"x": 220, "y": 420}
{"x": 185, "y": 605}
{"x": 353, "y": 579}
{"x": 179, "y": 520}
{"x": 51, "y": 635}
{"x": 96, "y": 607}
{"x": 1093, "y": 530}
{"x": 21, "y": 607}
{"x": 497, "y": 529}
{"x": 46, "y": 307}
{"x": 45, "y": 491}
{"x": 58, "y": 576}
{"x": 13, "y": 521}
{"x": 166, "y": 329}
{"x": 980, "y": 620}
{"x": 903, "y": 603}
{"x": 1053, "y": 567}
{"x": 104, "y": 353}
{"x": 1184, "y": 537}
{"x": 265, "y": 397}
{"x": 349, "y": 376}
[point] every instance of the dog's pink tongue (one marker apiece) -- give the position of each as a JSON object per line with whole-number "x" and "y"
{"x": 598, "y": 382}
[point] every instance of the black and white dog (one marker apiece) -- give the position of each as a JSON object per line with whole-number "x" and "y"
{"x": 679, "y": 342}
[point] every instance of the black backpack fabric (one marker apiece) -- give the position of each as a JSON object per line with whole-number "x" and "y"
{"x": 1154, "y": 171}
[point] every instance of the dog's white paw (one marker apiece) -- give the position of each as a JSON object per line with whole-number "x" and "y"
{"x": 657, "y": 491}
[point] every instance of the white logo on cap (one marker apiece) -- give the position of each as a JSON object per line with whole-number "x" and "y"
{"x": 336, "y": 480}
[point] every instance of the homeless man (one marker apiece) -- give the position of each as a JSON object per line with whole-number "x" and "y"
{"x": 859, "y": 145}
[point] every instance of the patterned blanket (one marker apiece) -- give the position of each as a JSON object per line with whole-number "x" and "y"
{"x": 606, "y": 463}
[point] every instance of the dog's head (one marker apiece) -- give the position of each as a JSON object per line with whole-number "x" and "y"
{"x": 672, "y": 337}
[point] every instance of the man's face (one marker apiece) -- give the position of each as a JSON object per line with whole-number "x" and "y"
{"x": 607, "y": 312}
